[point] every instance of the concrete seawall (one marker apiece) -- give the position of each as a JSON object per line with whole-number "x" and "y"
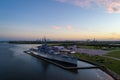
{"x": 108, "y": 71}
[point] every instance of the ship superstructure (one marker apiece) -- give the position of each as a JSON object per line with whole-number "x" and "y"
{"x": 54, "y": 54}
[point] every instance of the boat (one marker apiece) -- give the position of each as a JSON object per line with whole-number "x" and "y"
{"x": 47, "y": 52}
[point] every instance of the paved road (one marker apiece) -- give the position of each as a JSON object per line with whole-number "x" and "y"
{"x": 92, "y": 51}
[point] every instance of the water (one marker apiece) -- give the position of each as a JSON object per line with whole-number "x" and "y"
{"x": 17, "y": 65}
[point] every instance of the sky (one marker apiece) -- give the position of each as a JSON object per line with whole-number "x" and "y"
{"x": 60, "y": 19}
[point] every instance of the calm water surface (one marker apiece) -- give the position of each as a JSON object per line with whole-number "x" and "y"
{"x": 17, "y": 65}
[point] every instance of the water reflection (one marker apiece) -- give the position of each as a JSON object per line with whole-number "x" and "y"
{"x": 45, "y": 66}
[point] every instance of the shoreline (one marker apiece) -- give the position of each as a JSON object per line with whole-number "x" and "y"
{"x": 103, "y": 68}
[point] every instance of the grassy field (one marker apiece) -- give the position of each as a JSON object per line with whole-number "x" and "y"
{"x": 115, "y": 54}
{"x": 113, "y": 65}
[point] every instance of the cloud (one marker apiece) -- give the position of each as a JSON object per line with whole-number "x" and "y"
{"x": 69, "y": 27}
{"x": 56, "y": 27}
{"x": 112, "y": 6}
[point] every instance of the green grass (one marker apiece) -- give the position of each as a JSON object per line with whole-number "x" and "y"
{"x": 115, "y": 54}
{"x": 113, "y": 65}
{"x": 87, "y": 47}
{"x": 115, "y": 48}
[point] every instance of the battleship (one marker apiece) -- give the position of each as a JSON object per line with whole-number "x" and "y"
{"x": 50, "y": 53}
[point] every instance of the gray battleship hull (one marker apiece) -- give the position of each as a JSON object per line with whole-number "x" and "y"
{"x": 57, "y": 58}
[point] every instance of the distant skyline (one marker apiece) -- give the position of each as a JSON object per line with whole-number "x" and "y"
{"x": 60, "y": 19}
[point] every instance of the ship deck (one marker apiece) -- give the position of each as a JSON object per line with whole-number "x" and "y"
{"x": 62, "y": 64}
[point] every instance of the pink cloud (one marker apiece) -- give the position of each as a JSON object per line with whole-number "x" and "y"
{"x": 56, "y": 27}
{"x": 110, "y": 5}
{"x": 69, "y": 27}
{"x": 80, "y": 3}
